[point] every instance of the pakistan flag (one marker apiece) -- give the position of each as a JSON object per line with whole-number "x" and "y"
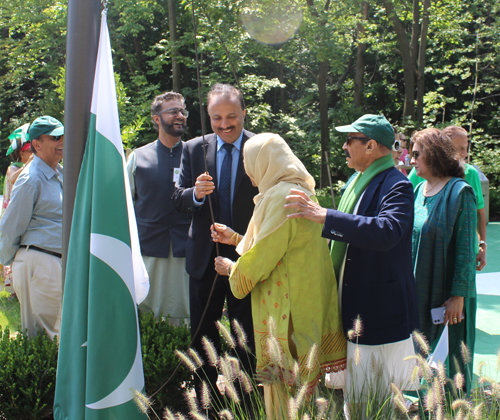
{"x": 100, "y": 361}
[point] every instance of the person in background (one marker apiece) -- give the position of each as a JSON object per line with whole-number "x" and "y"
{"x": 20, "y": 153}
{"x": 280, "y": 260}
{"x": 459, "y": 139}
{"x": 443, "y": 250}
{"x": 404, "y": 153}
{"x": 153, "y": 171}
{"x": 31, "y": 231}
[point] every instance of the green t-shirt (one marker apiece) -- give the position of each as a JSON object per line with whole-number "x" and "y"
{"x": 471, "y": 176}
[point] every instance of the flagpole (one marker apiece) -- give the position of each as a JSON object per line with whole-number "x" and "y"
{"x": 81, "y": 54}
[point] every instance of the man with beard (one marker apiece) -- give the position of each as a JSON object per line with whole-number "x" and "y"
{"x": 153, "y": 171}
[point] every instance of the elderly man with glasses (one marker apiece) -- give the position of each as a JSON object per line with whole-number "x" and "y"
{"x": 153, "y": 172}
{"x": 31, "y": 230}
{"x": 371, "y": 235}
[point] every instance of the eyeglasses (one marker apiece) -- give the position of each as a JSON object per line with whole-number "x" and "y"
{"x": 363, "y": 139}
{"x": 416, "y": 154}
{"x": 174, "y": 111}
{"x": 56, "y": 138}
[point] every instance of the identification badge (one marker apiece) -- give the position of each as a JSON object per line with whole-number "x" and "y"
{"x": 177, "y": 172}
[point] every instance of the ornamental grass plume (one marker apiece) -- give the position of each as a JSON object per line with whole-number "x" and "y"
{"x": 191, "y": 401}
{"x": 498, "y": 360}
{"x": 477, "y": 413}
{"x": 460, "y": 415}
{"x": 430, "y": 402}
{"x": 240, "y": 334}
{"x": 142, "y": 402}
{"x": 440, "y": 413}
{"x": 480, "y": 368}
{"x": 422, "y": 343}
{"x": 235, "y": 366}
{"x": 358, "y": 327}
{"x": 226, "y": 414}
{"x": 301, "y": 396}
{"x": 231, "y": 392}
{"x": 312, "y": 358}
{"x": 208, "y": 346}
{"x": 246, "y": 382}
{"x": 206, "y": 398}
{"x": 438, "y": 390}
{"x": 293, "y": 409}
{"x": 227, "y": 369}
{"x": 186, "y": 360}
{"x": 226, "y": 334}
{"x": 179, "y": 416}
{"x": 197, "y": 416}
{"x": 459, "y": 380}
{"x": 398, "y": 399}
{"x": 274, "y": 350}
{"x": 195, "y": 357}
{"x": 460, "y": 404}
{"x": 306, "y": 417}
{"x": 357, "y": 355}
{"x": 441, "y": 373}
{"x": 465, "y": 353}
{"x": 321, "y": 407}
{"x": 168, "y": 415}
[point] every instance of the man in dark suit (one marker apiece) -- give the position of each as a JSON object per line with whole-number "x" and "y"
{"x": 231, "y": 194}
{"x": 372, "y": 254}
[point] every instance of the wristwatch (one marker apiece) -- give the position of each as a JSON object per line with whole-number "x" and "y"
{"x": 483, "y": 243}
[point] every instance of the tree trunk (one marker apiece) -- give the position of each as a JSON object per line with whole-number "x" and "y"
{"x": 282, "y": 90}
{"x": 421, "y": 63}
{"x": 408, "y": 63}
{"x": 323, "y": 118}
{"x": 172, "y": 22}
{"x": 360, "y": 61}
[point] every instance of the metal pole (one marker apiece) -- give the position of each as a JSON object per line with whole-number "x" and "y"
{"x": 81, "y": 55}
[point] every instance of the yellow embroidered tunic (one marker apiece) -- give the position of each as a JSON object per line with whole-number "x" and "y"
{"x": 291, "y": 277}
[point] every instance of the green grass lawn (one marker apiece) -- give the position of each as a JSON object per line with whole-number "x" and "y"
{"x": 10, "y": 316}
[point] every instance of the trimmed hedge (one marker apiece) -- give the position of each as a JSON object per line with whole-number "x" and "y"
{"x": 28, "y": 370}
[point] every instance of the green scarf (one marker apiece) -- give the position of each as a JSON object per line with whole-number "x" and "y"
{"x": 349, "y": 200}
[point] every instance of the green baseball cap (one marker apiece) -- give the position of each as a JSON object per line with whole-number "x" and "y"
{"x": 45, "y": 125}
{"x": 375, "y": 127}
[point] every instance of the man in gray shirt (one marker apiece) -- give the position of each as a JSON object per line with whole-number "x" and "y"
{"x": 31, "y": 230}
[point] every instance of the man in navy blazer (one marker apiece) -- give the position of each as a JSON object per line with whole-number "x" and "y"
{"x": 374, "y": 236}
{"x": 195, "y": 187}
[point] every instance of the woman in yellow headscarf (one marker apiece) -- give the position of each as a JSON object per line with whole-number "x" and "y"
{"x": 287, "y": 266}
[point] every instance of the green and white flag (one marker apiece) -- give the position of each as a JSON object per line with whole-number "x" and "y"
{"x": 100, "y": 359}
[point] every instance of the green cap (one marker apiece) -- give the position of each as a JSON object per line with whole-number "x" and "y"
{"x": 375, "y": 127}
{"x": 45, "y": 125}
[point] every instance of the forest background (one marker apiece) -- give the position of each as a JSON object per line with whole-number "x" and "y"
{"x": 304, "y": 66}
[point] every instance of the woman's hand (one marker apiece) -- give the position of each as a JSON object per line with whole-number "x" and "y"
{"x": 223, "y": 265}
{"x": 223, "y": 234}
{"x": 454, "y": 308}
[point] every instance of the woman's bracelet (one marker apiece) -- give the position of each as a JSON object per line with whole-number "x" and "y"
{"x": 235, "y": 236}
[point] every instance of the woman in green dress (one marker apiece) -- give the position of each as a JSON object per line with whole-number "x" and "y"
{"x": 444, "y": 247}
{"x": 286, "y": 266}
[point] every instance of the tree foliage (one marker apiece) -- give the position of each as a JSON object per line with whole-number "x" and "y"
{"x": 297, "y": 74}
